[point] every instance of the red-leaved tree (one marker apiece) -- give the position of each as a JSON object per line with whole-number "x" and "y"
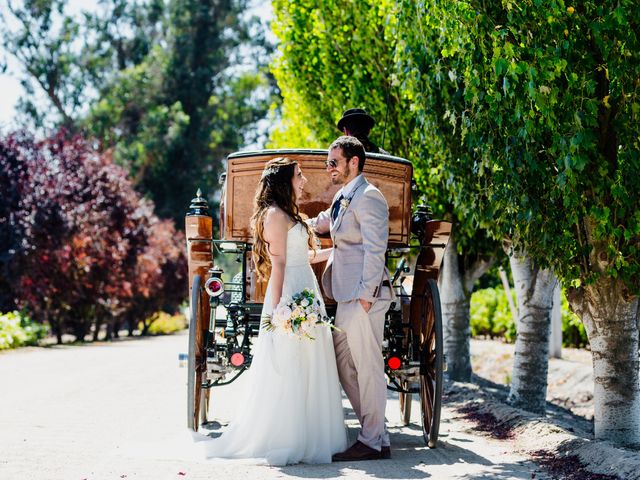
{"x": 79, "y": 233}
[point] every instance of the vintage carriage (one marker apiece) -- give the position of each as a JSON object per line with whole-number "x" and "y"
{"x": 226, "y": 305}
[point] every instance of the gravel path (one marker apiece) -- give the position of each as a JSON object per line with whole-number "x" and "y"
{"x": 114, "y": 411}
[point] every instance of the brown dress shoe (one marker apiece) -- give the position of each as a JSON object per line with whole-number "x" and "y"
{"x": 357, "y": 451}
{"x": 385, "y": 453}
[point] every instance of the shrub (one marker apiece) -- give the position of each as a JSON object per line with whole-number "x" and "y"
{"x": 483, "y": 307}
{"x": 162, "y": 323}
{"x": 490, "y": 314}
{"x": 491, "y": 317}
{"x": 161, "y": 276}
{"x": 74, "y": 234}
{"x": 17, "y": 330}
{"x": 573, "y": 332}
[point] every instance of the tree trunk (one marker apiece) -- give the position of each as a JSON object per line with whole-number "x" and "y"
{"x": 455, "y": 297}
{"x": 96, "y": 332}
{"x": 109, "y": 332}
{"x": 130, "y": 324}
{"x": 534, "y": 292}
{"x": 610, "y": 317}
{"x": 555, "y": 340}
{"x": 115, "y": 329}
{"x": 56, "y": 327}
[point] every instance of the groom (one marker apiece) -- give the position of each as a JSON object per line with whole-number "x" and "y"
{"x": 357, "y": 278}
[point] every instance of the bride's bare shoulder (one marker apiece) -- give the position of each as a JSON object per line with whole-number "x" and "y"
{"x": 276, "y": 220}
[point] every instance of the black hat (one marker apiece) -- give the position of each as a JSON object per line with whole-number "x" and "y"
{"x": 356, "y": 115}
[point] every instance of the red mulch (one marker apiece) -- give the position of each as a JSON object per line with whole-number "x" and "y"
{"x": 486, "y": 422}
{"x": 567, "y": 467}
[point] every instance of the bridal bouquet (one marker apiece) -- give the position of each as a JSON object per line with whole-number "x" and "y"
{"x": 297, "y": 316}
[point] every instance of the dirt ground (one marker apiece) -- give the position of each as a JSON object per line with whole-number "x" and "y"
{"x": 561, "y": 441}
{"x": 570, "y": 377}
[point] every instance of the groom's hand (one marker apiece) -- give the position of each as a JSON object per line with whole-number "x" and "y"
{"x": 366, "y": 305}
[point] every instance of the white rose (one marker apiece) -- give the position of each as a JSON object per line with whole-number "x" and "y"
{"x": 276, "y": 321}
{"x": 283, "y": 313}
{"x": 304, "y": 302}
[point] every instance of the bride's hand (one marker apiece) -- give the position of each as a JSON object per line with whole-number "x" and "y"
{"x": 320, "y": 255}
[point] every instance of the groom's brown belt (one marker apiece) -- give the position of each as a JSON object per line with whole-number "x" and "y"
{"x": 385, "y": 283}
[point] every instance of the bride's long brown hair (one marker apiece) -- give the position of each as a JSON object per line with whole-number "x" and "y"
{"x": 275, "y": 189}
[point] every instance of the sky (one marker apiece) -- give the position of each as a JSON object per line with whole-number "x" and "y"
{"x": 10, "y": 88}
{"x": 10, "y": 92}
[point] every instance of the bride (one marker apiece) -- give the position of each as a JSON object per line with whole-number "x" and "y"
{"x": 292, "y": 411}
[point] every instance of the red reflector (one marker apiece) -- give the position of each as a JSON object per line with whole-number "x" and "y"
{"x": 394, "y": 363}
{"x": 215, "y": 286}
{"x": 237, "y": 359}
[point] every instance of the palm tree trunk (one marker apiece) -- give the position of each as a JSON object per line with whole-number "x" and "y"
{"x": 534, "y": 292}
{"x": 610, "y": 316}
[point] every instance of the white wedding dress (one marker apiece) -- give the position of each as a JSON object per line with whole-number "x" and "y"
{"x": 292, "y": 410}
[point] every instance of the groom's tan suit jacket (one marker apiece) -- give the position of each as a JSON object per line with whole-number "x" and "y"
{"x": 356, "y": 267}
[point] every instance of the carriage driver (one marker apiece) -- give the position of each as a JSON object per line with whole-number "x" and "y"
{"x": 356, "y": 122}
{"x": 357, "y": 278}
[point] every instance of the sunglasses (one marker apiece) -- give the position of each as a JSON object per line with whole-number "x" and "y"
{"x": 330, "y": 164}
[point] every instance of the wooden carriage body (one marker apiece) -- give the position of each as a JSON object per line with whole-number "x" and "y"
{"x": 392, "y": 175}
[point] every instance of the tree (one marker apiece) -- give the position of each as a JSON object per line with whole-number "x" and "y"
{"x": 435, "y": 44}
{"x": 548, "y": 111}
{"x": 180, "y": 111}
{"x": 84, "y": 232}
{"x": 335, "y": 55}
{"x": 156, "y": 82}
{"x": 70, "y": 59}
{"x": 43, "y": 48}
{"x": 160, "y": 268}
{"x": 12, "y": 232}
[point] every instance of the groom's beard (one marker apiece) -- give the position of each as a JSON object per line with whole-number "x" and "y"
{"x": 342, "y": 178}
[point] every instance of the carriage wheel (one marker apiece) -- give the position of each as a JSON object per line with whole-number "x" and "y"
{"x": 405, "y": 404}
{"x": 194, "y": 374}
{"x": 431, "y": 363}
{"x": 204, "y": 406}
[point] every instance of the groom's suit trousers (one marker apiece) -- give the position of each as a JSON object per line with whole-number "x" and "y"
{"x": 358, "y": 346}
{"x": 356, "y": 270}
